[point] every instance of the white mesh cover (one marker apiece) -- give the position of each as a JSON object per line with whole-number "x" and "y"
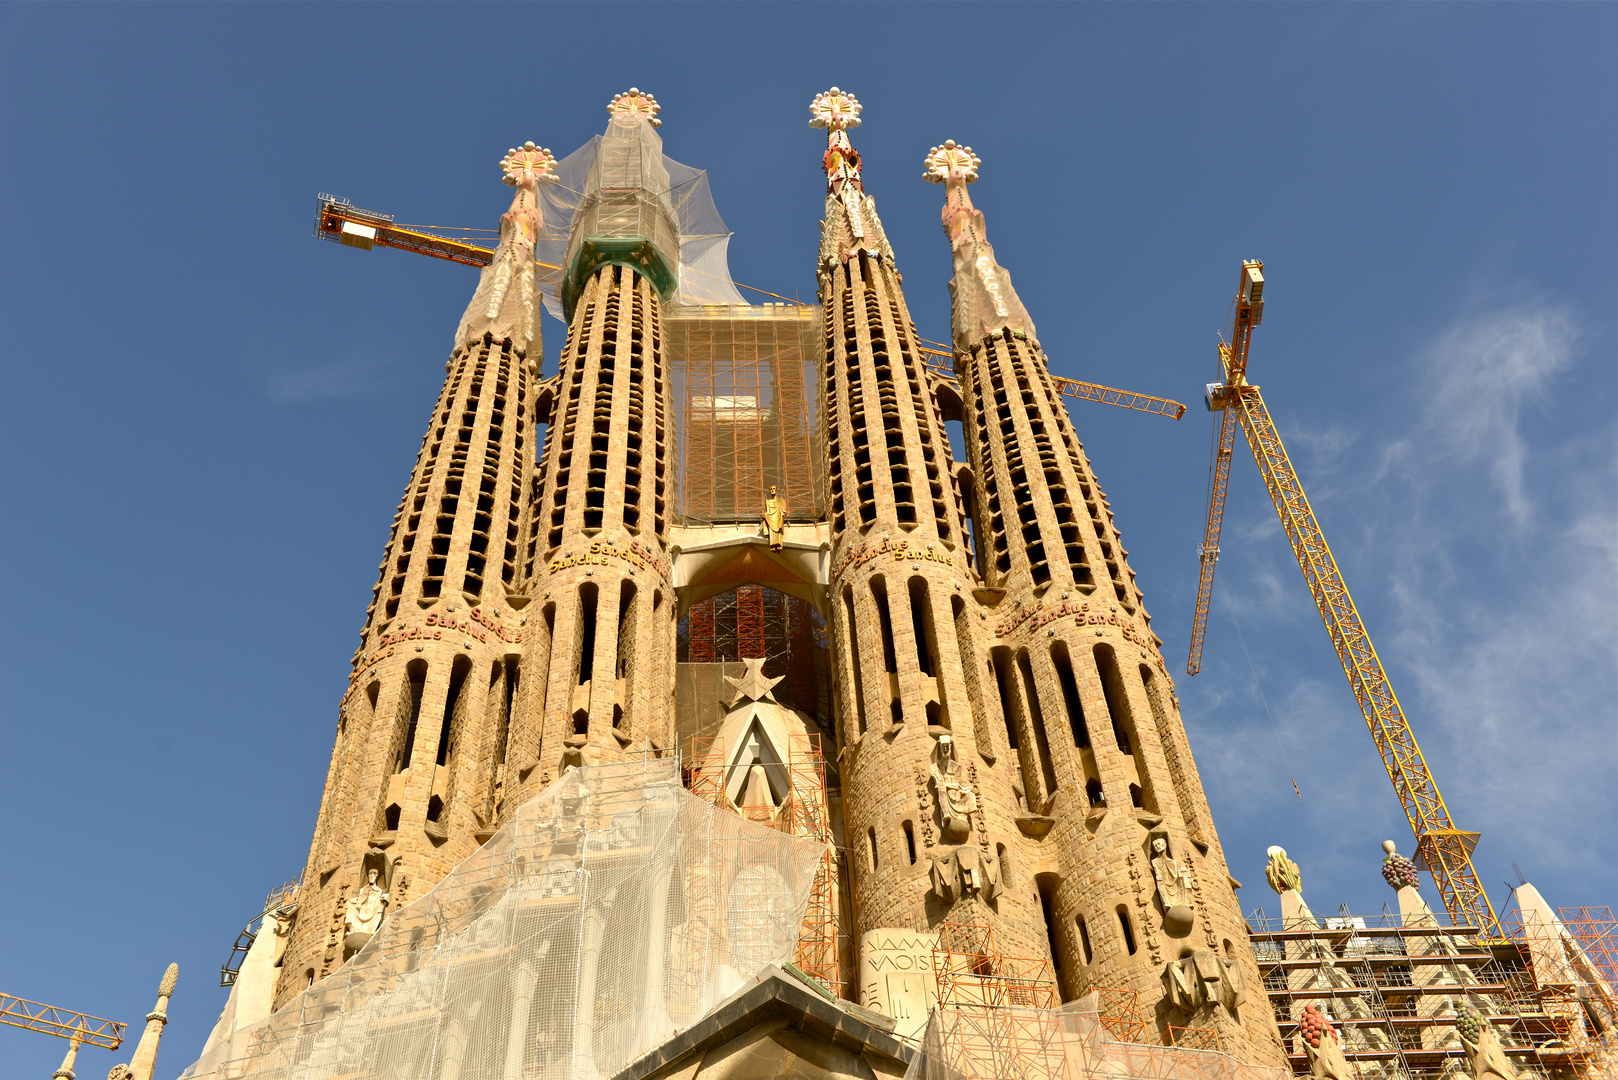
{"x": 614, "y": 910}
{"x": 704, "y": 239}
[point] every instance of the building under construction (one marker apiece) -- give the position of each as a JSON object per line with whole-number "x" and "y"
{"x": 711, "y": 718}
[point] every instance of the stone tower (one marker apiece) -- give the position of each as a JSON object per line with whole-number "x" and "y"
{"x": 597, "y": 671}
{"x": 928, "y": 818}
{"x": 1127, "y": 868}
{"x": 419, "y": 758}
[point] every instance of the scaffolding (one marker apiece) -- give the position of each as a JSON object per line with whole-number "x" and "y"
{"x": 1557, "y": 974}
{"x": 1395, "y": 991}
{"x": 804, "y": 814}
{"x": 1596, "y": 932}
{"x": 750, "y": 622}
{"x": 282, "y": 898}
{"x": 746, "y": 411}
{"x": 613, "y": 911}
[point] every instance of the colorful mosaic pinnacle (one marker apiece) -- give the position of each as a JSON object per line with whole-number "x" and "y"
{"x": 835, "y": 110}
{"x": 951, "y": 164}
{"x": 528, "y": 165}
{"x": 635, "y": 105}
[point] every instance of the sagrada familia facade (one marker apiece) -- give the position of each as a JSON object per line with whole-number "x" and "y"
{"x": 961, "y": 641}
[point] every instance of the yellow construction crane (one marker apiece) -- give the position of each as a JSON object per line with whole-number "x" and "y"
{"x": 1442, "y": 849}
{"x": 34, "y": 1016}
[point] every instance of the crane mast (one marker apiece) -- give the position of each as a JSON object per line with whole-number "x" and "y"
{"x": 1442, "y": 849}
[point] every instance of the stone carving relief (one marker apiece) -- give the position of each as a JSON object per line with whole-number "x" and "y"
{"x": 1174, "y": 889}
{"x": 963, "y": 874}
{"x": 1323, "y": 1048}
{"x": 1483, "y": 1050}
{"x": 957, "y": 801}
{"x": 364, "y": 911}
{"x": 1203, "y": 981}
{"x": 897, "y": 976}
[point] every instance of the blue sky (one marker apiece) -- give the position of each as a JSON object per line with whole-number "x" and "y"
{"x": 208, "y": 417}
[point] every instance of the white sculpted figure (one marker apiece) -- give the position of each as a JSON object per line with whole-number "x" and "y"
{"x": 1173, "y": 888}
{"x": 363, "y": 912}
{"x": 957, "y": 802}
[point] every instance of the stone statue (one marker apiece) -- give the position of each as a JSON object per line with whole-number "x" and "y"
{"x": 1323, "y": 1048}
{"x": 363, "y": 912}
{"x": 1204, "y": 980}
{"x": 1483, "y": 1050}
{"x": 775, "y": 520}
{"x": 963, "y": 874}
{"x": 1173, "y": 889}
{"x": 957, "y": 802}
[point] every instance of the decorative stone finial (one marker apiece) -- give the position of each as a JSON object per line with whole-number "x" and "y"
{"x": 1398, "y": 871}
{"x": 635, "y": 105}
{"x": 1281, "y": 872}
{"x": 835, "y": 109}
{"x": 951, "y": 164}
{"x": 528, "y": 165}
{"x": 170, "y": 977}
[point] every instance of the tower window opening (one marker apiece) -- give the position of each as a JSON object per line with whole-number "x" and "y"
{"x": 1036, "y": 720}
{"x": 1084, "y": 937}
{"x": 1070, "y": 695}
{"x": 457, "y": 680}
{"x": 870, "y": 839}
{"x": 435, "y": 808}
{"x": 1004, "y": 858}
{"x": 587, "y": 632}
{"x": 416, "y": 674}
{"x": 910, "y": 841}
{"x": 1128, "y": 930}
{"x": 921, "y": 623}
{"x": 390, "y": 818}
{"x": 1135, "y": 797}
{"x": 1123, "y": 721}
{"x": 879, "y": 593}
{"x": 854, "y": 656}
{"x": 510, "y": 672}
{"x": 1092, "y": 791}
{"x": 1046, "y": 885}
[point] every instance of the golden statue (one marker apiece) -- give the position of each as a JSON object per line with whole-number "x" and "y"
{"x": 775, "y": 520}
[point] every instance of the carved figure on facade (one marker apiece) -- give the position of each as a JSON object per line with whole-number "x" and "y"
{"x": 1202, "y": 981}
{"x": 364, "y": 911}
{"x": 1323, "y": 1047}
{"x": 963, "y": 874}
{"x": 957, "y": 802}
{"x": 1174, "y": 888}
{"x": 775, "y": 520}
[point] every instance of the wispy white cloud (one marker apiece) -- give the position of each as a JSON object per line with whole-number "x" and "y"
{"x": 348, "y": 377}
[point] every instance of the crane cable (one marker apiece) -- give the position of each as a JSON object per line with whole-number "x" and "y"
{"x": 1230, "y": 609}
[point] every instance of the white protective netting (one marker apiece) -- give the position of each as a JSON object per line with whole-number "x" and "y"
{"x": 614, "y": 910}
{"x": 704, "y": 240}
{"x": 1069, "y": 1043}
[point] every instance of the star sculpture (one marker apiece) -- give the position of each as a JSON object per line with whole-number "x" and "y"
{"x": 752, "y": 686}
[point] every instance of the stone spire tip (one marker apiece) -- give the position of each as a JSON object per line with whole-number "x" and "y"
{"x": 635, "y": 105}
{"x": 528, "y": 165}
{"x": 951, "y": 164}
{"x": 170, "y": 977}
{"x": 835, "y": 109}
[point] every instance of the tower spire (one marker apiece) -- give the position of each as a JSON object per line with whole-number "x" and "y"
{"x": 505, "y": 305}
{"x": 981, "y": 291}
{"x": 851, "y": 223}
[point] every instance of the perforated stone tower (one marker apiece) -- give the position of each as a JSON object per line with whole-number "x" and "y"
{"x": 597, "y": 670}
{"x": 419, "y": 760}
{"x": 1127, "y": 866}
{"x": 927, "y": 816}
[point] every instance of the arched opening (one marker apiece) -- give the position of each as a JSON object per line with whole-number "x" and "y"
{"x": 879, "y": 595}
{"x": 446, "y": 729}
{"x": 1070, "y": 695}
{"x": 415, "y": 686}
{"x": 1127, "y": 929}
{"x": 588, "y": 594}
{"x": 390, "y": 817}
{"x": 1036, "y": 720}
{"x": 921, "y": 624}
{"x": 1123, "y": 723}
{"x": 870, "y": 840}
{"x": 910, "y": 841}
{"x": 1046, "y": 885}
{"x": 1092, "y": 791}
{"x": 854, "y": 655}
{"x": 435, "y": 808}
{"x": 1084, "y": 938}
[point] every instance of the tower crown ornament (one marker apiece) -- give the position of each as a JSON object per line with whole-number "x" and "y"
{"x": 834, "y": 109}
{"x": 951, "y": 164}
{"x": 634, "y": 105}
{"x": 528, "y": 166}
